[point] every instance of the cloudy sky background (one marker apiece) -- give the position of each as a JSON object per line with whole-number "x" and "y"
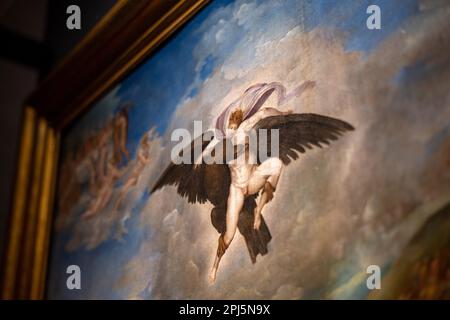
{"x": 336, "y": 210}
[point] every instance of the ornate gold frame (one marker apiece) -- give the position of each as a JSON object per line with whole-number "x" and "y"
{"x": 119, "y": 42}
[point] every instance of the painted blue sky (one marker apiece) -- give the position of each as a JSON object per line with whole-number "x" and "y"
{"x": 176, "y": 71}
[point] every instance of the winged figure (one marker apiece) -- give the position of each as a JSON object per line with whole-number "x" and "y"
{"x": 238, "y": 189}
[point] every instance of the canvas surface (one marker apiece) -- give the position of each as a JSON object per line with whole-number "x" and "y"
{"x": 364, "y": 200}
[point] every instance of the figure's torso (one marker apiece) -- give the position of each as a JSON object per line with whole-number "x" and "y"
{"x": 243, "y": 165}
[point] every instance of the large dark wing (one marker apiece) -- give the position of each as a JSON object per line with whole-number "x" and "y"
{"x": 298, "y": 132}
{"x": 197, "y": 182}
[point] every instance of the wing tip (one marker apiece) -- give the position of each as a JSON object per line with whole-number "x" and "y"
{"x": 348, "y": 126}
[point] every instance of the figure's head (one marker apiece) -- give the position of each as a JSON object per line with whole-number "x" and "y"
{"x": 236, "y": 118}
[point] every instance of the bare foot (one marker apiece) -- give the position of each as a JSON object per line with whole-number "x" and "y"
{"x": 257, "y": 222}
{"x": 212, "y": 276}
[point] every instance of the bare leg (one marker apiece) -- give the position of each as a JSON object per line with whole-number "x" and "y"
{"x": 93, "y": 208}
{"x": 265, "y": 177}
{"x": 106, "y": 198}
{"x": 125, "y": 190}
{"x": 101, "y": 201}
{"x": 266, "y": 196}
{"x": 234, "y": 207}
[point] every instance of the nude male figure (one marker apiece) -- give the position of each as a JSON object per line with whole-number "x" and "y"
{"x": 247, "y": 178}
{"x": 249, "y": 174}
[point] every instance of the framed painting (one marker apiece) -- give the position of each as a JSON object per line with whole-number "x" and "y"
{"x": 130, "y": 184}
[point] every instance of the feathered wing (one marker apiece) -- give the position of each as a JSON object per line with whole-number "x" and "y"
{"x": 301, "y": 131}
{"x": 189, "y": 177}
